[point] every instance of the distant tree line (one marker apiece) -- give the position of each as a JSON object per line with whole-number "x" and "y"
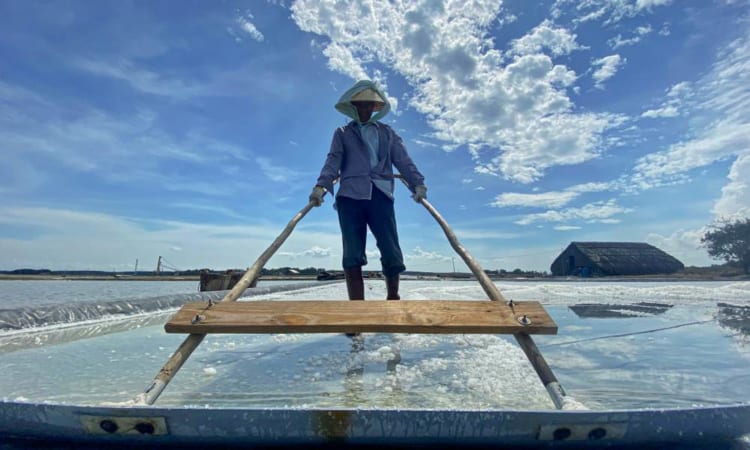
{"x": 502, "y": 273}
{"x": 727, "y": 240}
{"x": 279, "y": 271}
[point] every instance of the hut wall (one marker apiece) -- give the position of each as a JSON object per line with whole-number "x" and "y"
{"x": 573, "y": 262}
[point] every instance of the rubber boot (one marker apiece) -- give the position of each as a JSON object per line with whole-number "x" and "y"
{"x": 355, "y": 285}
{"x": 391, "y": 285}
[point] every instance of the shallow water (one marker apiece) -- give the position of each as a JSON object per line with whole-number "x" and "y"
{"x": 620, "y": 345}
{"x": 23, "y": 293}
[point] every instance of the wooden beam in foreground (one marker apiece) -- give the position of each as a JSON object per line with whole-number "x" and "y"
{"x": 336, "y": 316}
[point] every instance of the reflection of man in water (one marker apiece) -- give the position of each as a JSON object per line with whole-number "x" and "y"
{"x": 354, "y": 381}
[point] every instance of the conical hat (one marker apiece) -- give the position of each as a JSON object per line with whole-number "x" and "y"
{"x": 367, "y": 95}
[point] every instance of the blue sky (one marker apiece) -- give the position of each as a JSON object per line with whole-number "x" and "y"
{"x": 195, "y": 130}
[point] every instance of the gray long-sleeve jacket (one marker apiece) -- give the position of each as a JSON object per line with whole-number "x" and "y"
{"x": 349, "y": 157}
{"x": 349, "y": 160}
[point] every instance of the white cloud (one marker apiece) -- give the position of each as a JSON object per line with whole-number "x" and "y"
{"x": 196, "y": 205}
{"x": 593, "y": 212}
{"x": 341, "y": 59}
{"x": 483, "y": 234}
{"x": 276, "y": 173}
{"x": 313, "y": 252}
{"x": 684, "y": 245}
{"x": 608, "y": 11}
{"x": 680, "y": 90}
{"x": 419, "y": 254}
{"x": 637, "y": 36}
{"x": 643, "y": 30}
{"x": 676, "y": 96}
{"x": 566, "y": 228}
{"x": 721, "y": 102}
{"x": 607, "y": 68}
{"x": 558, "y": 41}
{"x": 248, "y": 79}
{"x": 645, "y": 4}
{"x": 593, "y": 187}
{"x": 663, "y": 112}
{"x": 518, "y": 113}
{"x": 672, "y": 166}
{"x": 563, "y": 139}
{"x": 506, "y": 19}
{"x": 550, "y": 199}
{"x": 66, "y": 239}
{"x": 141, "y": 79}
{"x": 722, "y": 99}
{"x": 249, "y": 28}
{"x": 97, "y": 144}
{"x": 423, "y": 143}
{"x": 734, "y": 203}
{"x": 46, "y": 146}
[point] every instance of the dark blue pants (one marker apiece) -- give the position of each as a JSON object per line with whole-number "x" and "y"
{"x": 354, "y": 218}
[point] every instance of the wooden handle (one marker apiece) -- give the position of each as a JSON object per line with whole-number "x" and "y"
{"x": 555, "y": 390}
{"x": 489, "y": 287}
{"x": 183, "y": 352}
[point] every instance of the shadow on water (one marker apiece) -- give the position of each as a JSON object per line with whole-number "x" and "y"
{"x": 734, "y": 317}
{"x": 614, "y": 311}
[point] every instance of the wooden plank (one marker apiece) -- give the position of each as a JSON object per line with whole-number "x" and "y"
{"x": 336, "y": 316}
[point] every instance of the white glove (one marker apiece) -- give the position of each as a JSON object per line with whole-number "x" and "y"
{"x": 420, "y": 193}
{"x": 317, "y": 194}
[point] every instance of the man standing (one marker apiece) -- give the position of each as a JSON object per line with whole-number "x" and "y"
{"x": 362, "y": 156}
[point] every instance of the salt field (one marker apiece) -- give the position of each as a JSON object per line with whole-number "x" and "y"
{"x": 620, "y": 345}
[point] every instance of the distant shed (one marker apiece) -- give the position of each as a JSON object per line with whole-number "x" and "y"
{"x": 613, "y": 258}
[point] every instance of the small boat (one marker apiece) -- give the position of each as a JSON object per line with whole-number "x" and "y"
{"x": 28, "y": 424}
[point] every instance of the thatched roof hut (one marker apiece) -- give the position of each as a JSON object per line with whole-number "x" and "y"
{"x": 613, "y": 258}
